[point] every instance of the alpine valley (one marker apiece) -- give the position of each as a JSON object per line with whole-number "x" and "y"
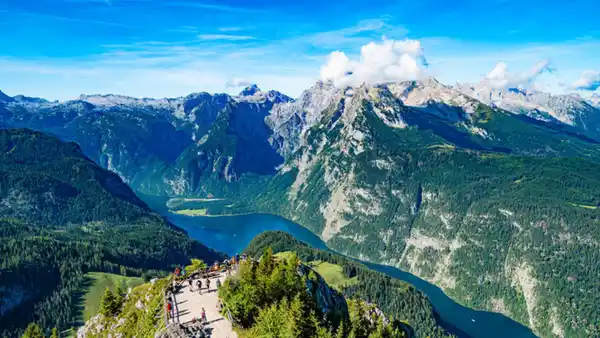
{"x": 490, "y": 194}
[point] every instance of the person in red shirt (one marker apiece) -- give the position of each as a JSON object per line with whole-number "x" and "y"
{"x": 169, "y": 308}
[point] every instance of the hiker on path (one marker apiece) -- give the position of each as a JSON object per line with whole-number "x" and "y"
{"x": 190, "y": 283}
{"x": 199, "y": 284}
{"x": 207, "y": 284}
{"x": 204, "y": 316}
{"x": 218, "y": 284}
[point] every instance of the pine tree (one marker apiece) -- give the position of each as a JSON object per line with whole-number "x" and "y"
{"x": 119, "y": 298}
{"x": 267, "y": 263}
{"x": 107, "y": 307}
{"x": 270, "y": 324}
{"x": 33, "y": 331}
{"x": 54, "y": 333}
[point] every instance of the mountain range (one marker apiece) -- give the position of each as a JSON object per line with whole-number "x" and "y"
{"x": 491, "y": 194}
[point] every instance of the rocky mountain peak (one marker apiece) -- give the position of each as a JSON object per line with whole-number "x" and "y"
{"x": 277, "y": 97}
{"x": 27, "y": 99}
{"x": 430, "y": 96}
{"x": 251, "y": 90}
{"x": 253, "y": 94}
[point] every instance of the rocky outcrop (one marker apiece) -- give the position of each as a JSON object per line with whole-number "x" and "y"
{"x": 329, "y": 301}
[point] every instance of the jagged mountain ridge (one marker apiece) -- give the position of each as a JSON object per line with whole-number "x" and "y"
{"x": 571, "y": 110}
{"x": 191, "y": 117}
{"x": 148, "y": 142}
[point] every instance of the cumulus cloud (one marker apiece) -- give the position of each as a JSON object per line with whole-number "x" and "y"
{"x": 388, "y": 61}
{"x": 589, "y": 80}
{"x": 237, "y": 82}
{"x": 501, "y": 77}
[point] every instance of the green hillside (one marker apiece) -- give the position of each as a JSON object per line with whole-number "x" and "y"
{"x": 97, "y": 283}
{"x": 63, "y": 216}
{"x": 395, "y": 298}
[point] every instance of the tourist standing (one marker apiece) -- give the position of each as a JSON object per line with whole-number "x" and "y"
{"x": 204, "y": 316}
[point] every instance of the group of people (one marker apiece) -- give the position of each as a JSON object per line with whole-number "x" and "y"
{"x": 199, "y": 284}
{"x": 228, "y": 265}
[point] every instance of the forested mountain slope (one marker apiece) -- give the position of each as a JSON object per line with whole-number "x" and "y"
{"x": 61, "y": 215}
{"x": 395, "y": 298}
{"x": 510, "y": 231}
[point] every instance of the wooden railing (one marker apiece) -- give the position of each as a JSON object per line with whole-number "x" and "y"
{"x": 163, "y": 303}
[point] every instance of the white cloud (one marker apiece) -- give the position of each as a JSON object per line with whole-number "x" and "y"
{"x": 228, "y": 37}
{"x": 238, "y": 82}
{"x": 500, "y": 77}
{"x": 388, "y": 61}
{"x": 589, "y": 80}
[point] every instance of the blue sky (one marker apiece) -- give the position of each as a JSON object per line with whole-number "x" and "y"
{"x": 59, "y": 49}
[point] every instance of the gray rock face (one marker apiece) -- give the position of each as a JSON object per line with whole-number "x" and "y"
{"x": 432, "y": 97}
{"x": 290, "y": 120}
{"x": 571, "y": 110}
